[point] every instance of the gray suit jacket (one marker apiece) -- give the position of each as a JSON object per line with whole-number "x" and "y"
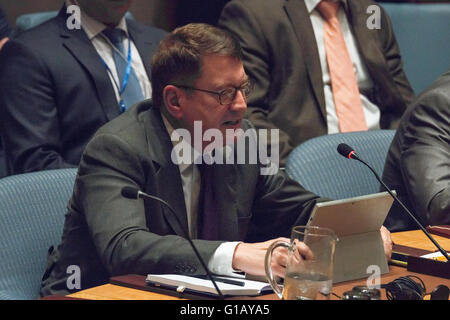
{"x": 106, "y": 234}
{"x": 418, "y": 161}
{"x": 281, "y": 56}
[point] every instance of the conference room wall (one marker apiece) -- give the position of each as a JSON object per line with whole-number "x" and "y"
{"x": 159, "y": 13}
{"x": 165, "y": 14}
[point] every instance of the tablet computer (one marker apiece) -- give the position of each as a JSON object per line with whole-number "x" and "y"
{"x": 357, "y": 222}
{"x": 353, "y": 215}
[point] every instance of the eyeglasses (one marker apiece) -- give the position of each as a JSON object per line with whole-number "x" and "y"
{"x": 226, "y": 96}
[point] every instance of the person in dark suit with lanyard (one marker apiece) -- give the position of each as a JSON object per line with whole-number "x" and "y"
{"x": 60, "y": 82}
{"x": 319, "y": 67}
{"x": 418, "y": 162}
{"x": 231, "y": 210}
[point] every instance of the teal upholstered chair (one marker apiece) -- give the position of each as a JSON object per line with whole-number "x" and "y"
{"x": 423, "y": 34}
{"x": 318, "y": 167}
{"x": 32, "y": 209}
{"x": 30, "y": 20}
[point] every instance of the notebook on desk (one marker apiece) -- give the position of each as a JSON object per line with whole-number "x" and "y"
{"x": 139, "y": 282}
{"x": 227, "y": 285}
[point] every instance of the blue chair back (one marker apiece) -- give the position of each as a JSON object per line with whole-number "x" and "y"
{"x": 32, "y": 212}
{"x": 318, "y": 167}
{"x": 423, "y": 35}
{"x": 30, "y": 20}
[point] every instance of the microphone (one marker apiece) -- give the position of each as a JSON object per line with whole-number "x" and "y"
{"x": 348, "y": 152}
{"x": 134, "y": 193}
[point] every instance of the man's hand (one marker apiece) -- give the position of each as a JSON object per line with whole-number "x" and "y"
{"x": 387, "y": 242}
{"x": 249, "y": 257}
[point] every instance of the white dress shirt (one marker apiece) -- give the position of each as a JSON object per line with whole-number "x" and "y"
{"x": 371, "y": 111}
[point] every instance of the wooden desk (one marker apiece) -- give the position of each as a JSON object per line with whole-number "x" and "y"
{"x": 115, "y": 292}
{"x": 417, "y": 239}
{"x": 414, "y": 239}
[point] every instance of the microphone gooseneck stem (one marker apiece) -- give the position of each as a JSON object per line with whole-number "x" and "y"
{"x": 187, "y": 237}
{"x": 444, "y": 253}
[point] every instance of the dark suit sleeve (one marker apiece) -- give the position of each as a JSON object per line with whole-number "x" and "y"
{"x": 29, "y": 125}
{"x": 425, "y": 159}
{"x": 280, "y": 204}
{"x": 120, "y": 227}
{"x": 394, "y": 66}
{"x": 242, "y": 23}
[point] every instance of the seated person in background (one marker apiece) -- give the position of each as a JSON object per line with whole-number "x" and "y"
{"x": 318, "y": 67}
{"x": 418, "y": 162}
{"x": 219, "y": 205}
{"x": 60, "y": 83}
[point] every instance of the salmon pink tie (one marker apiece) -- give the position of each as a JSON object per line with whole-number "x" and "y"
{"x": 344, "y": 86}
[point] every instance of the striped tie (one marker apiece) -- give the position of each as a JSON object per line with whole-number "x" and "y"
{"x": 133, "y": 92}
{"x": 344, "y": 85}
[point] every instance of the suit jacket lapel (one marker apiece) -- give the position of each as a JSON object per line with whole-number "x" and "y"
{"x": 357, "y": 18}
{"x": 170, "y": 187}
{"x": 77, "y": 42}
{"x": 143, "y": 44}
{"x": 167, "y": 177}
{"x": 301, "y": 22}
{"x": 367, "y": 45}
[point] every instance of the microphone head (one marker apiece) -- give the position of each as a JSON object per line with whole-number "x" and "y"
{"x": 345, "y": 150}
{"x": 130, "y": 192}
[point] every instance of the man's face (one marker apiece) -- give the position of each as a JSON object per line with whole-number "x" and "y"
{"x": 218, "y": 73}
{"x": 109, "y": 12}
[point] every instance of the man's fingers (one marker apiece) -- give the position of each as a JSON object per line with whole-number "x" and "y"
{"x": 280, "y": 256}
{"x": 279, "y": 271}
{"x": 303, "y": 251}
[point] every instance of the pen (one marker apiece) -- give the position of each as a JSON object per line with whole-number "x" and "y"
{"x": 224, "y": 280}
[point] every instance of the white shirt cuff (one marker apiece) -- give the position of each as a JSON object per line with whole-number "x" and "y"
{"x": 222, "y": 260}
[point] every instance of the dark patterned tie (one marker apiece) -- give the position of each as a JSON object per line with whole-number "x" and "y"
{"x": 208, "y": 220}
{"x": 133, "y": 92}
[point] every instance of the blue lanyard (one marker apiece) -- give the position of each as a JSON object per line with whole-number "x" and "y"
{"x": 125, "y": 78}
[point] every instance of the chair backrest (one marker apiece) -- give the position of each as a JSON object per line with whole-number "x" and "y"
{"x": 30, "y": 20}
{"x": 318, "y": 167}
{"x": 423, "y": 34}
{"x": 32, "y": 209}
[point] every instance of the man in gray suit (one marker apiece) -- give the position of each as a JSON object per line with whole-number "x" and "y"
{"x": 106, "y": 234}
{"x": 418, "y": 162}
{"x": 231, "y": 210}
{"x": 285, "y": 54}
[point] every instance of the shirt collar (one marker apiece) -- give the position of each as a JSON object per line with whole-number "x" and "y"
{"x": 177, "y": 139}
{"x": 195, "y": 154}
{"x": 93, "y": 27}
{"x": 312, "y": 4}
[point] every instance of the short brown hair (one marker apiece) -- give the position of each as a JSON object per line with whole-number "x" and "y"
{"x": 178, "y": 59}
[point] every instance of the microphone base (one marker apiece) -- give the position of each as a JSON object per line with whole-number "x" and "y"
{"x": 429, "y": 266}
